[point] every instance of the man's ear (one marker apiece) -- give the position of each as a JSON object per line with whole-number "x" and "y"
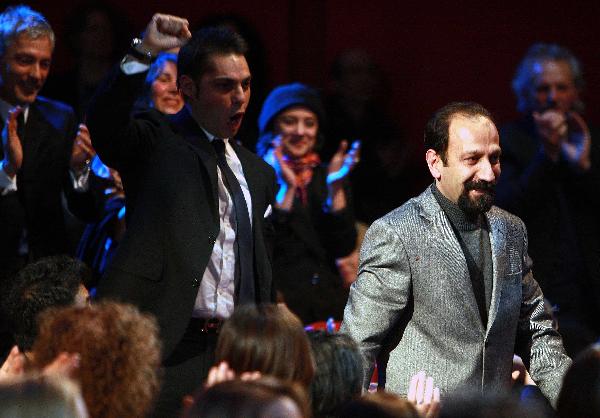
{"x": 187, "y": 86}
{"x": 433, "y": 162}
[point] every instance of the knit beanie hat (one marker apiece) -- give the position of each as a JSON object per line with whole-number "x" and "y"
{"x": 289, "y": 95}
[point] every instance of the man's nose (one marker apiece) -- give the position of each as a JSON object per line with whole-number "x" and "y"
{"x": 238, "y": 95}
{"x": 486, "y": 171}
{"x": 35, "y": 71}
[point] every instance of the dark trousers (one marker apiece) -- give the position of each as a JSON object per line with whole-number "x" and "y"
{"x": 185, "y": 371}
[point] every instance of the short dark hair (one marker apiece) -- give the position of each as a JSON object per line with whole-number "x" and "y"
{"x": 48, "y": 282}
{"x": 523, "y": 81}
{"x": 194, "y": 57}
{"x": 338, "y": 372}
{"x": 437, "y": 128}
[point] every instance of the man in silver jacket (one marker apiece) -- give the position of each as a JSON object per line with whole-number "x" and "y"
{"x": 445, "y": 283}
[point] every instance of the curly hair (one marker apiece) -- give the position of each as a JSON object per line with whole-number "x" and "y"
{"x": 269, "y": 339}
{"x": 120, "y": 355}
{"x": 48, "y": 282}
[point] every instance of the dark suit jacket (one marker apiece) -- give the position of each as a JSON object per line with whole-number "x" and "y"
{"x": 560, "y": 208}
{"x": 169, "y": 173}
{"x": 48, "y": 139}
{"x": 308, "y": 239}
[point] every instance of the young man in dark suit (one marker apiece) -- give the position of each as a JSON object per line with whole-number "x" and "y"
{"x": 198, "y": 203}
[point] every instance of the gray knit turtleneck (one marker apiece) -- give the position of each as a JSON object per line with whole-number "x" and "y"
{"x": 473, "y": 235}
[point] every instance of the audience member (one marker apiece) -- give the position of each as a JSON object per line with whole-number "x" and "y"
{"x": 268, "y": 339}
{"x": 39, "y": 158}
{"x": 550, "y": 172}
{"x": 198, "y": 204}
{"x": 580, "y": 393}
{"x": 96, "y": 35}
{"x": 490, "y": 405}
{"x": 357, "y": 108}
{"x": 49, "y": 282}
{"x": 266, "y": 397}
{"x": 338, "y": 372}
{"x": 313, "y": 218}
{"x": 41, "y": 396}
{"x": 119, "y": 351}
{"x": 445, "y": 281}
{"x": 160, "y": 89}
{"x": 379, "y": 405}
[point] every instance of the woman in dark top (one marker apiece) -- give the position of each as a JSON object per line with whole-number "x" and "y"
{"x": 313, "y": 221}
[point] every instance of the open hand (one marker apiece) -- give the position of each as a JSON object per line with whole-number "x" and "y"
{"x": 343, "y": 162}
{"x": 285, "y": 175}
{"x": 13, "y": 150}
{"x": 424, "y": 395}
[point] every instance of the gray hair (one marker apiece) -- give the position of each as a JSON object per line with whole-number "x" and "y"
{"x": 18, "y": 20}
{"x": 523, "y": 81}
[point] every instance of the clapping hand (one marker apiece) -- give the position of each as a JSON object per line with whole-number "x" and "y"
{"x": 82, "y": 151}
{"x": 285, "y": 175}
{"x": 564, "y": 133}
{"x": 576, "y": 148}
{"x": 13, "y": 150}
{"x": 424, "y": 395}
{"x": 343, "y": 161}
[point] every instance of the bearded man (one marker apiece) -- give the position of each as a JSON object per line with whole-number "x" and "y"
{"x": 445, "y": 282}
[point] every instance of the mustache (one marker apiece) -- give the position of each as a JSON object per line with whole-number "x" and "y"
{"x": 484, "y": 186}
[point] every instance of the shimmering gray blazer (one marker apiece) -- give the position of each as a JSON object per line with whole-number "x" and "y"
{"x": 413, "y": 305}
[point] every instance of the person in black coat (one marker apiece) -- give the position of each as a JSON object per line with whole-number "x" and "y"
{"x": 198, "y": 204}
{"x": 313, "y": 221}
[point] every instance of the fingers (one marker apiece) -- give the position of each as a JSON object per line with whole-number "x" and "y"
{"x": 412, "y": 388}
{"x": 65, "y": 364}
{"x": 172, "y": 25}
{"x": 250, "y": 376}
{"x": 13, "y": 366}
{"x": 84, "y": 141}
{"x": 219, "y": 373}
{"x": 420, "y": 387}
{"x": 342, "y": 147}
{"x": 12, "y": 122}
{"x": 434, "y": 408}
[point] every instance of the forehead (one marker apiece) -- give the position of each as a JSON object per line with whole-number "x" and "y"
{"x": 232, "y": 66}
{"x": 551, "y": 71}
{"x": 468, "y": 134}
{"x": 298, "y": 112}
{"x": 25, "y": 44}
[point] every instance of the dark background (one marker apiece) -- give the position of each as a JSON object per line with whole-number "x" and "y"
{"x": 430, "y": 53}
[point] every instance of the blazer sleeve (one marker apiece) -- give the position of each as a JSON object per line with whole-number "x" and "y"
{"x": 119, "y": 138}
{"x": 548, "y": 361}
{"x": 381, "y": 293}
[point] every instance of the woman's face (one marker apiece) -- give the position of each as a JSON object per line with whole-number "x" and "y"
{"x": 298, "y": 127}
{"x": 165, "y": 96}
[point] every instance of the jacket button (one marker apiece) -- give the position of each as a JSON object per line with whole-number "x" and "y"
{"x": 196, "y": 283}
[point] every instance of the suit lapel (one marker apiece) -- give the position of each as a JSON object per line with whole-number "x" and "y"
{"x": 185, "y": 125}
{"x": 33, "y": 131}
{"x": 447, "y": 249}
{"x": 498, "y": 244}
